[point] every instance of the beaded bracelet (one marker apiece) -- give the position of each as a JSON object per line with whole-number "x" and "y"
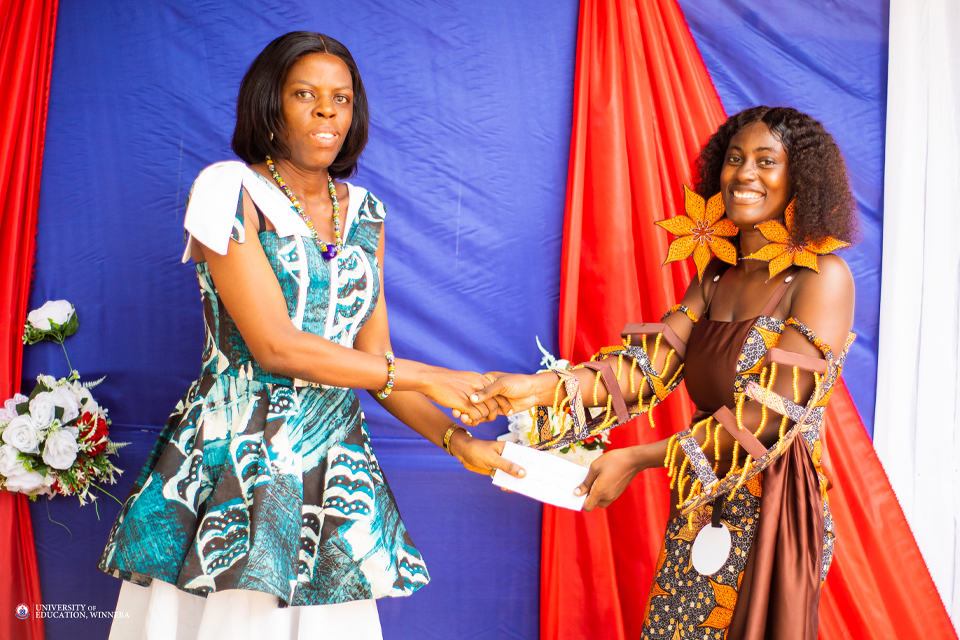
{"x": 391, "y": 374}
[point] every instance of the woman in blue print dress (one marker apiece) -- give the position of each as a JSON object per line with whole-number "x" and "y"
{"x": 263, "y": 494}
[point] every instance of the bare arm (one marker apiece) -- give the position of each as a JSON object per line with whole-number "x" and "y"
{"x": 824, "y": 302}
{"x": 517, "y": 392}
{"x": 414, "y": 409}
{"x": 250, "y": 291}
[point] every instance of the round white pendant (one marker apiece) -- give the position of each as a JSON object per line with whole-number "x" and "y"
{"x": 711, "y": 549}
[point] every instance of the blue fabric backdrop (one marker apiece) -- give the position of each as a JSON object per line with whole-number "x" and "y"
{"x": 471, "y": 112}
{"x": 829, "y": 60}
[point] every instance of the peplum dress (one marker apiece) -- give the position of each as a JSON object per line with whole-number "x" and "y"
{"x": 257, "y": 481}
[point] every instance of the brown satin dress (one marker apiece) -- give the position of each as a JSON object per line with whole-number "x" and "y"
{"x": 770, "y": 585}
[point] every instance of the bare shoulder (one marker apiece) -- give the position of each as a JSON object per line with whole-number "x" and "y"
{"x": 824, "y": 300}
{"x": 831, "y": 283}
{"x": 699, "y": 292}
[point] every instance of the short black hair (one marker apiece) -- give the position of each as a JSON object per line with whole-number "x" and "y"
{"x": 259, "y": 107}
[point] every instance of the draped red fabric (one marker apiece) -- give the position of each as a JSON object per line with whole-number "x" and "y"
{"x": 26, "y": 59}
{"x": 643, "y": 107}
{"x": 879, "y": 585}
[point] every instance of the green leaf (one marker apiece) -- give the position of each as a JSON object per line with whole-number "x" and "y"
{"x": 37, "y": 390}
{"x": 71, "y": 325}
{"x": 23, "y": 408}
{"x": 32, "y": 335}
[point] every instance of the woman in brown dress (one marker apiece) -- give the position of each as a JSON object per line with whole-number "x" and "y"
{"x": 774, "y": 183}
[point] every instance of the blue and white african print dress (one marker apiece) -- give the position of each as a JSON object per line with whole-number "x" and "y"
{"x": 258, "y": 481}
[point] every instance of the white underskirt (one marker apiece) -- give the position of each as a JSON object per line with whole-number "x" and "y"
{"x": 163, "y": 612}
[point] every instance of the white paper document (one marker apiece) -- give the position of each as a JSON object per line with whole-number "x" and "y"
{"x": 548, "y": 478}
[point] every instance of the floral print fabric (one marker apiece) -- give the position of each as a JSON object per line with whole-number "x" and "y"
{"x": 262, "y": 482}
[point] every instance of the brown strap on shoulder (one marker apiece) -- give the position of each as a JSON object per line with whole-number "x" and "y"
{"x": 778, "y": 293}
{"x": 794, "y": 359}
{"x": 635, "y": 330}
{"x": 613, "y": 388}
{"x": 745, "y": 437}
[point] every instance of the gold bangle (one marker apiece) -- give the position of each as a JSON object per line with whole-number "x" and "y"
{"x": 449, "y": 434}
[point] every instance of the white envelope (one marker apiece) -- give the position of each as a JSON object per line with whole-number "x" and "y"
{"x": 548, "y": 478}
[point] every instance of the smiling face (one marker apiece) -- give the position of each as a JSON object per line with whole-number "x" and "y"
{"x": 317, "y": 107}
{"x": 754, "y": 180}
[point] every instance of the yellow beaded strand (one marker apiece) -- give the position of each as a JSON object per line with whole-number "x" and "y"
{"x": 763, "y": 407}
{"x": 746, "y": 469}
{"x": 796, "y": 386}
{"x": 666, "y": 458}
{"x": 706, "y": 441}
{"x": 736, "y": 455}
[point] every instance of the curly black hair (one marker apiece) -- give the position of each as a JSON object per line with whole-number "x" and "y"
{"x": 818, "y": 175}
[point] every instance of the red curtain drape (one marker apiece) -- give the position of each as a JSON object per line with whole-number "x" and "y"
{"x": 878, "y": 586}
{"x": 26, "y": 59}
{"x": 643, "y": 107}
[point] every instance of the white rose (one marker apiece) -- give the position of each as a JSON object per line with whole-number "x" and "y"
{"x": 23, "y": 434}
{"x": 43, "y": 409}
{"x": 60, "y": 450}
{"x": 57, "y": 311}
{"x": 88, "y": 404}
{"x": 48, "y": 381}
{"x": 64, "y": 397}
{"x": 25, "y": 482}
{"x": 9, "y": 464}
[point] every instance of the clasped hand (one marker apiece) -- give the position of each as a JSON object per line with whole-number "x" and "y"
{"x": 609, "y": 475}
{"x": 504, "y": 394}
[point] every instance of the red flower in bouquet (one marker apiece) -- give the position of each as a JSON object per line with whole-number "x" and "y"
{"x": 93, "y": 431}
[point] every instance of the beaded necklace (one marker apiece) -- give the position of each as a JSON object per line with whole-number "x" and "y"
{"x": 328, "y": 251}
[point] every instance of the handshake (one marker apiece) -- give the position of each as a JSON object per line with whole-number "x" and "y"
{"x": 476, "y": 398}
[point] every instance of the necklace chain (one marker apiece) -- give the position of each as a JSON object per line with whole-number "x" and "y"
{"x": 328, "y": 251}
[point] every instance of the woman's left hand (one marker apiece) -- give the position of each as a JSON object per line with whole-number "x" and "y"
{"x": 482, "y": 456}
{"x": 609, "y": 476}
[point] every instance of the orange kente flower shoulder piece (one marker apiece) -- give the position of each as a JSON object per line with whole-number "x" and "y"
{"x": 783, "y": 251}
{"x": 701, "y": 232}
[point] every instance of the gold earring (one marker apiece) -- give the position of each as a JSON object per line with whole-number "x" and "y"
{"x": 271, "y": 136}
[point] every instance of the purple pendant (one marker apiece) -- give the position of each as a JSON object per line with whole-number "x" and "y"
{"x": 330, "y": 252}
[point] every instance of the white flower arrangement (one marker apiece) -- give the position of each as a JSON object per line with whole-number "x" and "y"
{"x": 56, "y": 440}
{"x": 522, "y": 425}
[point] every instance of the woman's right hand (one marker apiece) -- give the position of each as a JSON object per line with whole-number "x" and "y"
{"x": 453, "y": 389}
{"x": 513, "y": 392}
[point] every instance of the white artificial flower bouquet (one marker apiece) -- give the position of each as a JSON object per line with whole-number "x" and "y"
{"x": 56, "y": 440}
{"x": 522, "y": 425}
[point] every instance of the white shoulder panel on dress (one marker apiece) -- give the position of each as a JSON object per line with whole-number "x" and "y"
{"x": 213, "y": 205}
{"x": 357, "y": 196}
